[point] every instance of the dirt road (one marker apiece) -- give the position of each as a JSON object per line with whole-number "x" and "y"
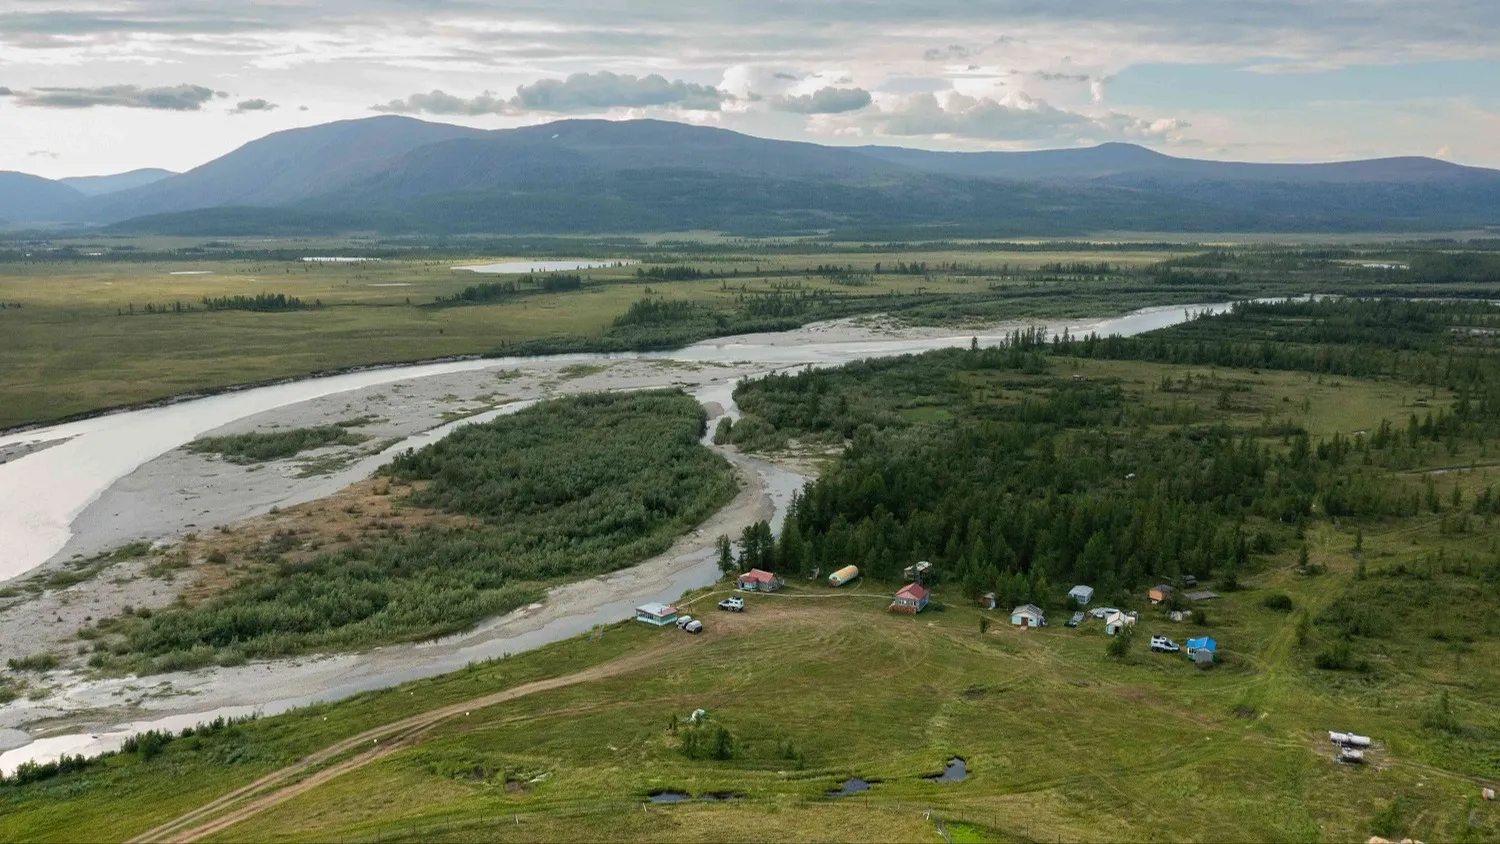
{"x": 306, "y": 774}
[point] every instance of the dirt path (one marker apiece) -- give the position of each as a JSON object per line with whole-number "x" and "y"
{"x": 282, "y": 785}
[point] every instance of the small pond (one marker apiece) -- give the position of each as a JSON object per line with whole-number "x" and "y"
{"x": 670, "y": 797}
{"x": 851, "y": 786}
{"x": 956, "y": 770}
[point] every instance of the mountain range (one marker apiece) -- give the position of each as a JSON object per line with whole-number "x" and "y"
{"x": 398, "y": 174}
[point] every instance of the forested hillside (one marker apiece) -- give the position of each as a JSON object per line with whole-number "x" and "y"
{"x": 1015, "y": 475}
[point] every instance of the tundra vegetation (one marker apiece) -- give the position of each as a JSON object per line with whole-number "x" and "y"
{"x": 562, "y": 490}
{"x": 260, "y": 447}
{"x": 253, "y": 311}
{"x": 1346, "y": 518}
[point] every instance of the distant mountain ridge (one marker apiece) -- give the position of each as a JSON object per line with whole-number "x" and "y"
{"x": 24, "y": 197}
{"x": 393, "y": 173}
{"x": 101, "y": 185}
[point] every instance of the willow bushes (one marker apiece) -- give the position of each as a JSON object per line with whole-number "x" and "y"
{"x": 565, "y": 489}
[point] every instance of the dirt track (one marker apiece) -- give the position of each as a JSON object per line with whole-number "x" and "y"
{"x": 282, "y": 785}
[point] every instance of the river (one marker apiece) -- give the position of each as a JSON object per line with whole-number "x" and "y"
{"x": 41, "y": 492}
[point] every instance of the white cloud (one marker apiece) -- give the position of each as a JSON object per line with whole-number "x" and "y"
{"x": 578, "y": 93}
{"x": 174, "y": 98}
{"x": 824, "y": 101}
{"x": 256, "y": 104}
{"x": 1015, "y": 118}
{"x": 441, "y": 103}
{"x": 605, "y": 90}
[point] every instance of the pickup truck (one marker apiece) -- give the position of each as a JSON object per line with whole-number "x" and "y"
{"x": 732, "y": 604}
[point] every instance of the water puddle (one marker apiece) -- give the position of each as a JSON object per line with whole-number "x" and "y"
{"x": 719, "y": 796}
{"x": 956, "y": 770}
{"x": 670, "y": 796}
{"x": 852, "y": 786}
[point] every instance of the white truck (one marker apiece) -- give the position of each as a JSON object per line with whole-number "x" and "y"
{"x": 735, "y": 604}
{"x": 1163, "y": 645}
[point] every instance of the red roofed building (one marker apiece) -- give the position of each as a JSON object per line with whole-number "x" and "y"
{"x": 911, "y": 599}
{"x": 756, "y": 580}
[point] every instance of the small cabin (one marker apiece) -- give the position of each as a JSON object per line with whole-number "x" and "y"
{"x": 756, "y": 580}
{"x": 1201, "y": 650}
{"x": 988, "y": 600}
{"x": 1027, "y": 616}
{"x": 1159, "y": 594}
{"x": 1082, "y": 594}
{"x": 911, "y": 599}
{"x": 658, "y": 614}
{"x": 1117, "y": 621}
{"x": 918, "y": 572}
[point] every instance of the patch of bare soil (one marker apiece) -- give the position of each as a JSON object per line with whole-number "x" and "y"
{"x": 358, "y": 515}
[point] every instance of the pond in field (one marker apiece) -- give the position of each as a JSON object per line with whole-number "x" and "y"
{"x": 852, "y": 786}
{"x": 956, "y": 770}
{"x": 670, "y": 797}
{"x": 543, "y": 266}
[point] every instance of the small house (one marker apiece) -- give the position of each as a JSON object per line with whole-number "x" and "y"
{"x": 1201, "y": 595}
{"x": 1159, "y": 594}
{"x": 1102, "y": 612}
{"x": 911, "y": 599}
{"x": 1201, "y": 650}
{"x": 658, "y": 614}
{"x": 1117, "y": 621}
{"x": 988, "y": 600}
{"x": 1082, "y": 594}
{"x": 1027, "y": 616}
{"x": 756, "y": 580}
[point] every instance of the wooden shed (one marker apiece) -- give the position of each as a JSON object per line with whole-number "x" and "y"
{"x": 1027, "y": 616}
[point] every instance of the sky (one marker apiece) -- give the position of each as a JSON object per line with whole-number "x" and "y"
{"x": 101, "y": 86}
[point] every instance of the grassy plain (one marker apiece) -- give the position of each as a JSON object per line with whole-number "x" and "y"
{"x": 1062, "y": 742}
{"x": 72, "y": 346}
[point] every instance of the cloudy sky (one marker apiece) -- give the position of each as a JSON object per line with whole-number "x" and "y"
{"x": 96, "y": 86}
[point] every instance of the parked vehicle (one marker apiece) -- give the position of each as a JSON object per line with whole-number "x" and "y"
{"x": 1163, "y": 645}
{"x": 694, "y": 626}
{"x": 684, "y": 620}
{"x": 1076, "y": 620}
{"x": 732, "y": 604}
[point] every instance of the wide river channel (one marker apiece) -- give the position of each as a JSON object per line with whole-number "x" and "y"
{"x": 43, "y": 491}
